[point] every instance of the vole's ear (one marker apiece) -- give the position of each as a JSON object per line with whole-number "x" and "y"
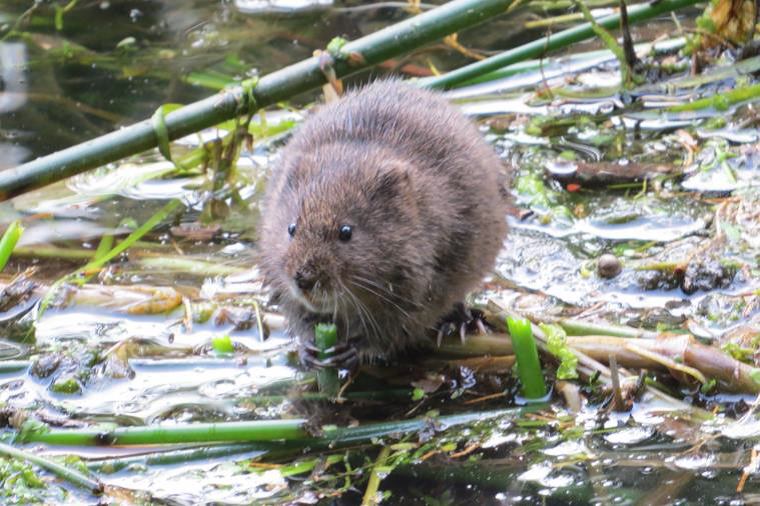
{"x": 392, "y": 181}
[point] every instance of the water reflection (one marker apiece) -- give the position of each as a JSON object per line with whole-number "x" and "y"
{"x": 263, "y": 6}
{"x": 13, "y": 87}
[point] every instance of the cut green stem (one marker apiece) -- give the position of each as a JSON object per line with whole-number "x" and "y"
{"x": 325, "y": 337}
{"x": 528, "y": 365}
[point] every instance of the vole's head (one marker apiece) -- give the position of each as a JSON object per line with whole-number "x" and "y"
{"x": 343, "y": 225}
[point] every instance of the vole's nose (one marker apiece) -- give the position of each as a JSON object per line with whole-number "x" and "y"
{"x": 304, "y": 280}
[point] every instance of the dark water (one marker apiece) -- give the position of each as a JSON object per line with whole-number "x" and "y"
{"x": 112, "y": 63}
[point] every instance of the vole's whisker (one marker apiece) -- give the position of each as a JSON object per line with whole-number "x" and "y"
{"x": 374, "y": 330}
{"x": 378, "y": 292}
{"x": 396, "y": 296}
{"x": 338, "y": 302}
{"x": 360, "y": 311}
{"x": 364, "y": 317}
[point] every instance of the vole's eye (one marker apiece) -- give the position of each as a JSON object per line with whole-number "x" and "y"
{"x": 292, "y": 229}
{"x": 345, "y": 233}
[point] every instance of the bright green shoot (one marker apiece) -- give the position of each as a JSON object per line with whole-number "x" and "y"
{"x": 325, "y": 337}
{"x": 528, "y": 366}
{"x": 8, "y": 242}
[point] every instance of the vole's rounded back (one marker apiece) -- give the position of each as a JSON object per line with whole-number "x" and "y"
{"x": 384, "y": 211}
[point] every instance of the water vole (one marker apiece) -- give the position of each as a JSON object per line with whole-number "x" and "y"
{"x": 384, "y": 211}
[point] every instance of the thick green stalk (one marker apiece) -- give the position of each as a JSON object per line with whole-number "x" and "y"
{"x": 540, "y": 47}
{"x": 268, "y": 430}
{"x": 256, "y": 431}
{"x": 278, "y": 86}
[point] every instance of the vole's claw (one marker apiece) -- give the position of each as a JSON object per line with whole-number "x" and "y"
{"x": 347, "y": 359}
{"x": 311, "y": 348}
{"x": 307, "y": 355}
{"x": 439, "y": 337}
{"x": 479, "y": 321}
{"x": 463, "y": 319}
{"x": 343, "y": 356}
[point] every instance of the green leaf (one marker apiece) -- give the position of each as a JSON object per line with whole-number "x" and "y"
{"x": 158, "y": 121}
{"x": 556, "y": 344}
{"x": 31, "y": 428}
{"x": 8, "y": 242}
{"x": 223, "y": 344}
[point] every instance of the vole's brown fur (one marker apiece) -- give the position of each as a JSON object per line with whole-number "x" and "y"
{"x": 419, "y": 188}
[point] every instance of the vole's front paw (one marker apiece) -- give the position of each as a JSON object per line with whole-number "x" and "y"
{"x": 344, "y": 355}
{"x": 461, "y": 319}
